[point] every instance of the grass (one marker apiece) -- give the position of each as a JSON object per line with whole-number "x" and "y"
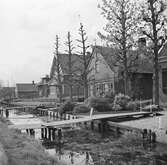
{"x": 23, "y": 150}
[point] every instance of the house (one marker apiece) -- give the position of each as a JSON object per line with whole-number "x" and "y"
{"x": 26, "y": 90}
{"x": 77, "y": 67}
{"x": 106, "y": 74}
{"x": 43, "y": 86}
{"x": 163, "y": 74}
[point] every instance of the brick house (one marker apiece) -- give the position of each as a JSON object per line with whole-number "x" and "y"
{"x": 26, "y": 90}
{"x": 105, "y": 73}
{"x": 77, "y": 67}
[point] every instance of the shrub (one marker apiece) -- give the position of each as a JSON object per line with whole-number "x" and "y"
{"x": 81, "y": 109}
{"x": 121, "y": 100}
{"x": 117, "y": 107}
{"x": 99, "y": 104}
{"x": 132, "y": 106}
{"x": 110, "y": 95}
{"x": 67, "y": 106}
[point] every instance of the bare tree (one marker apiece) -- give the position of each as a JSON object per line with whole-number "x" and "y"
{"x": 122, "y": 19}
{"x": 154, "y": 22}
{"x": 70, "y": 64}
{"x": 59, "y": 76}
{"x": 84, "y": 58}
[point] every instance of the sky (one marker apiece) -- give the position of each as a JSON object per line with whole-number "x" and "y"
{"x": 28, "y": 29}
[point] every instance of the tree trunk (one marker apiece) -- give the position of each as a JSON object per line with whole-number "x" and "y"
{"x": 85, "y": 90}
{"x": 156, "y": 80}
{"x": 71, "y": 96}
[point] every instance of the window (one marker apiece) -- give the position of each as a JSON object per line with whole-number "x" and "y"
{"x": 164, "y": 80}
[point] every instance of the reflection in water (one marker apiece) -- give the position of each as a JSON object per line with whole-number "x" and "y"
{"x": 70, "y": 157}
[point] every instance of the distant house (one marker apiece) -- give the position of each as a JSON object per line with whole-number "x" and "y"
{"x": 43, "y": 86}
{"x": 26, "y": 90}
{"x": 77, "y": 67}
{"x": 105, "y": 73}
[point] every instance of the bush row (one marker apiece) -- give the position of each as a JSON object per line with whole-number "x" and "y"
{"x": 110, "y": 102}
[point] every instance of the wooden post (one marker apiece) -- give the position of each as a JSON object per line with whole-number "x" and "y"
{"x": 117, "y": 131}
{"x": 53, "y": 133}
{"x": 103, "y": 126}
{"x": 64, "y": 116}
{"x": 149, "y": 135}
{"x": 99, "y": 127}
{"x": 68, "y": 117}
{"x": 85, "y": 124}
{"x": 33, "y": 133}
{"x": 59, "y": 134}
{"x": 45, "y": 133}
{"x": 153, "y": 137}
{"x": 57, "y": 115}
{"x": 42, "y": 133}
{"x": 49, "y": 132}
{"x": 54, "y": 114}
{"x": 92, "y": 125}
{"x": 144, "y": 133}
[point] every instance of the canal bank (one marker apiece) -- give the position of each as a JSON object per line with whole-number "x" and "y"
{"x": 21, "y": 149}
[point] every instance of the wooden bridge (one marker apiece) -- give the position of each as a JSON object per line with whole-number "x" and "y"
{"x": 65, "y": 123}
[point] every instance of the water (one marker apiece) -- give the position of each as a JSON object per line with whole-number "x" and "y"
{"x": 109, "y": 154}
{"x": 66, "y": 156}
{"x": 71, "y": 158}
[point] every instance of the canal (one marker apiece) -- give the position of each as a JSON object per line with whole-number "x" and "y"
{"x": 85, "y": 147}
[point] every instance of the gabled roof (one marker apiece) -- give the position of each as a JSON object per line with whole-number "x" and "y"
{"x": 26, "y": 87}
{"x": 163, "y": 53}
{"x": 77, "y": 64}
{"x": 109, "y": 55}
{"x": 163, "y": 50}
{"x": 142, "y": 64}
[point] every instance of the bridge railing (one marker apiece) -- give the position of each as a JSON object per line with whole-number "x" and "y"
{"x": 145, "y": 103}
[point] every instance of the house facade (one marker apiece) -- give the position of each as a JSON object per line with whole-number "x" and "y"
{"x": 77, "y": 88}
{"x": 105, "y": 74}
{"x": 101, "y": 76}
{"x": 163, "y": 74}
{"x": 26, "y": 90}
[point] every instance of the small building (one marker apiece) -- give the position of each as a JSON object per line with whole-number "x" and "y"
{"x": 43, "y": 86}
{"x": 26, "y": 90}
{"x": 77, "y": 68}
{"x": 107, "y": 75}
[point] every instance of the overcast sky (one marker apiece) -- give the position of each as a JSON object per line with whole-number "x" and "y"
{"x": 28, "y": 29}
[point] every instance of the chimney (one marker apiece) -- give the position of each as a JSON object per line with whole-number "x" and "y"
{"x": 142, "y": 42}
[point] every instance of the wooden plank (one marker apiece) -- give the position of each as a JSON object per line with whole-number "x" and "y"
{"x": 118, "y": 125}
{"x": 11, "y": 108}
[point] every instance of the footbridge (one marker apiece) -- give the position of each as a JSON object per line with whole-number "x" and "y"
{"x": 65, "y": 123}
